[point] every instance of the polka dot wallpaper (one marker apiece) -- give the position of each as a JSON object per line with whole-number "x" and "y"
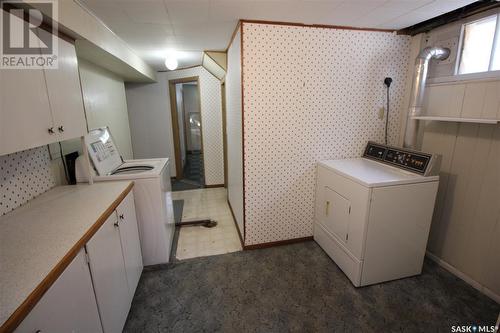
{"x": 23, "y": 176}
{"x": 310, "y": 94}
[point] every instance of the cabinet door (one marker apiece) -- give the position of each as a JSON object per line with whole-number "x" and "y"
{"x": 108, "y": 274}
{"x": 68, "y": 306}
{"x": 25, "y": 116}
{"x": 65, "y": 94}
{"x": 129, "y": 236}
{"x": 336, "y": 214}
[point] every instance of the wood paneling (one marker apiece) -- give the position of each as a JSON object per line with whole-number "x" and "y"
{"x": 465, "y": 227}
{"x": 491, "y": 105}
{"x": 474, "y": 98}
{"x": 482, "y": 100}
{"x": 440, "y": 139}
{"x": 478, "y": 100}
{"x": 444, "y": 100}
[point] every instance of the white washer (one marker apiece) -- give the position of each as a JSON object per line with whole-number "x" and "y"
{"x": 373, "y": 214}
{"x": 152, "y": 191}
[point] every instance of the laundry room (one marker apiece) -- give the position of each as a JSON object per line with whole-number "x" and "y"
{"x": 250, "y": 166}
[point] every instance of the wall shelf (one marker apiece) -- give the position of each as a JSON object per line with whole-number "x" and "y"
{"x": 458, "y": 119}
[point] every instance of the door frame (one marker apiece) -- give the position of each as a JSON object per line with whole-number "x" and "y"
{"x": 175, "y": 121}
{"x": 224, "y": 129}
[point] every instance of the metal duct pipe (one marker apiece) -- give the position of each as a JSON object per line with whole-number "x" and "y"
{"x": 417, "y": 90}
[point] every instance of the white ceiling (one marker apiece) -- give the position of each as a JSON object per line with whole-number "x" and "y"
{"x": 152, "y": 27}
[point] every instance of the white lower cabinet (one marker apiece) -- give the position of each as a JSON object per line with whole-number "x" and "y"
{"x": 68, "y": 306}
{"x": 109, "y": 276}
{"x": 95, "y": 291}
{"x": 129, "y": 237}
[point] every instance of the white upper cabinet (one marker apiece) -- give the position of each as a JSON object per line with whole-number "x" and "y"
{"x": 25, "y": 116}
{"x": 41, "y": 106}
{"x": 129, "y": 237}
{"x": 65, "y": 95}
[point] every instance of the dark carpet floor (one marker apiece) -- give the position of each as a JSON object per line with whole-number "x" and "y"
{"x": 193, "y": 173}
{"x": 297, "y": 288}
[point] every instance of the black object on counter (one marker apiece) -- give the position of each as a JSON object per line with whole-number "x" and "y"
{"x": 70, "y": 164}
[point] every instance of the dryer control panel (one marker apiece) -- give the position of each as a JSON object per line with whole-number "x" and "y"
{"x": 414, "y": 161}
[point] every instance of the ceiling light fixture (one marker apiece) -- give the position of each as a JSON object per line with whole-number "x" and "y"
{"x": 171, "y": 62}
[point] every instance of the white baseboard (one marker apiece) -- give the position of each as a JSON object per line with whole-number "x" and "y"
{"x": 464, "y": 277}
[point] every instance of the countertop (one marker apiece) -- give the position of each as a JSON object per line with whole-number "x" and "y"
{"x": 374, "y": 174}
{"x": 39, "y": 240}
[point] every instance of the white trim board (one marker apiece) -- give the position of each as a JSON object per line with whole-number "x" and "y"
{"x": 457, "y": 119}
{"x": 464, "y": 78}
{"x": 467, "y": 279}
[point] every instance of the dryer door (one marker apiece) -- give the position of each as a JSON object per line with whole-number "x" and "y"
{"x": 336, "y": 214}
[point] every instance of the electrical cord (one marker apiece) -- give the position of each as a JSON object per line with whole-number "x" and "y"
{"x": 387, "y": 116}
{"x": 387, "y": 82}
{"x": 66, "y": 174}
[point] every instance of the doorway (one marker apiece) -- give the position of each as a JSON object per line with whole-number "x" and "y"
{"x": 204, "y": 223}
{"x": 187, "y": 131}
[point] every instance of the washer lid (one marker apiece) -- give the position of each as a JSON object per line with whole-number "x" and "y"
{"x": 102, "y": 151}
{"x": 132, "y": 169}
{"x": 374, "y": 174}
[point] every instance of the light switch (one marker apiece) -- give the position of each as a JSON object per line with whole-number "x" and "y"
{"x": 381, "y": 113}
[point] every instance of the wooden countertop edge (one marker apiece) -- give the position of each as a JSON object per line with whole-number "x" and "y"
{"x": 29, "y": 303}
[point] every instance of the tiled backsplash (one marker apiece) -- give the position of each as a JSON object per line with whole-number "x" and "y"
{"x": 23, "y": 176}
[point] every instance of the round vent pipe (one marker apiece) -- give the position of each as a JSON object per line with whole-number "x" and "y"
{"x": 417, "y": 90}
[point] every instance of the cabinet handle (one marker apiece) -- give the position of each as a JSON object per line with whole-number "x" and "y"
{"x": 116, "y": 224}
{"x": 121, "y": 217}
{"x": 38, "y": 331}
{"x": 51, "y": 130}
{"x": 60, "y": 128}
{"x": 327, "y": 207}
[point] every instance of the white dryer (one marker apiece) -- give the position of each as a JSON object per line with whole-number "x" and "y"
{"x": 373, "y": 214}
{"x": 152, "y": 191}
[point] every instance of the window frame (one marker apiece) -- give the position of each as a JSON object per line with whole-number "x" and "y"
{"x": 496, "y": 40}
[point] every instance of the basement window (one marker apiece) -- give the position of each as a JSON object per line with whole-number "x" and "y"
{"x": 480, "y": 46}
